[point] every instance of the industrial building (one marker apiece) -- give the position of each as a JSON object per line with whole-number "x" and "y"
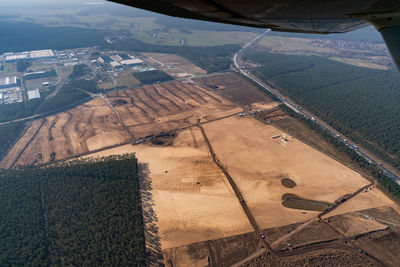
{"x": 100, "y": 60}
{"x": 33, "y": 94}
{"x": 131, "y": 62}
{"x": 30, "y": 55}
{"x": 115, "y": 64}
{"x": 9, "y": 82}
{"x": 116, "y": 58}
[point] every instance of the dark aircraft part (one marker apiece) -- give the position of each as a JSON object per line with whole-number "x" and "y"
{"x": 306, "y": 16}
{"x": 391, "y": 35}
{"x": 311, "y": 16}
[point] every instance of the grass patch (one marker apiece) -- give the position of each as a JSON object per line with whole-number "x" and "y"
{"x": 293, "y": 201}
{"x": 152, "y": 76}
{"x": 287, "y": 182}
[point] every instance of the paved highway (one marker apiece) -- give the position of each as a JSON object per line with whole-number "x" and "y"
{"x": 293, "y": 106}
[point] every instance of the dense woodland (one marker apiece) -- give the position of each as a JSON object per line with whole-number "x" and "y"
{"x": 212, "y": 59}
{"x": 9, "y": 134}
{"x": 359, "y": 102}
{"x": 79, "y": 71}
{"x": 22, "y": 65}
{"x": 68, "y": 96}
{"x": 18, "y": 110}
{"x": 78, "y": 213}
{"x": 152, "y": 76}
{"x": 22, "y": 36}
{"x": 86, "y": 85}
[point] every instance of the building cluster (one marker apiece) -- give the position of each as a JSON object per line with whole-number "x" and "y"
{"x": 29, "y": 55}
{"x": 116, "y": 61}
{"x": 10, "y": 90}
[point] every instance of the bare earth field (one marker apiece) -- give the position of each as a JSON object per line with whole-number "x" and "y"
{"x": 174, "y": 65}
{"x": 257, "y": 164}
{"x": 158, "y": 108}
{"x": 86, "y": 128}
{"x": 192, "y": 215}
{"x": 233, "y": 87}
{"x": 192, "y": 200}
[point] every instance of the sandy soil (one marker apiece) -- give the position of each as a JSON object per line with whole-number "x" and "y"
{"x": 353, "y": 224}
{"x": 14, "y": 153}
{"x": 257, "y": 164}
{"x": 192, "y": 200}
{"x": 153, "y": 109}
{"x": 365, "y": 200}
{"x": 88, "y": 127}
{"x": 233, "y": 87}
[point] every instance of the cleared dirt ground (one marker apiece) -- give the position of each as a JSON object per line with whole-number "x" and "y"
{"x": 257, "y": 164}
{"x": 86, "y": 128}
{"x": 191, "y": 213}
{"x": 19, "y": 147}
{"x": 192, "y": 200}
{"x": 233, "y": 87}
{"x": 153, "y": 109}
{"x": 174, "y": 65}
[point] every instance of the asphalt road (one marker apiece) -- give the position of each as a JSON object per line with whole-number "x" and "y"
{"x": 299, "y": 110}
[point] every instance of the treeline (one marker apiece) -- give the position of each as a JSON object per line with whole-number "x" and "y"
{"x": 212, "y": 59}
{"x": 77, "y": 213}
{"x": 23, "y": 65}
{"x": 79, "y": 71}
{"x": 32, "y": 76}
{"x": 67, "y": 95}
{"x": 86, "y": 85}
{"x": 152, "y": 76}
{"x": 359, "y": 102}
{"x": 22, "y": 36}
{"x": 9, "y": 134}
{"x": 391, "y": 186}
{"x": 15, "y": 111}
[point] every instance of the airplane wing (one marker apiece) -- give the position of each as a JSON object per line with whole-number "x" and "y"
{"x": 306, "y": 16}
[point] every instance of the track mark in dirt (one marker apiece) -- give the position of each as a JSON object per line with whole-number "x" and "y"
{"x": 164, "y": 97}
{"x": 171, "y": 92}
{"x": 185, "y": 93}
{"x": 193, "y": 92}
{"x": 88, "y": 134}
{"x": 145, "y": 103}
{"x": 146, "y": 93}
{"x": 133, "y": 103}
{"x": 196, "y": 145}
{"x": 208, "y": 94}
{"x": 67, "y": 137}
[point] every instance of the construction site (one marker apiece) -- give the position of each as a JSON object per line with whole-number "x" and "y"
{"x": 220, "y": 184}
